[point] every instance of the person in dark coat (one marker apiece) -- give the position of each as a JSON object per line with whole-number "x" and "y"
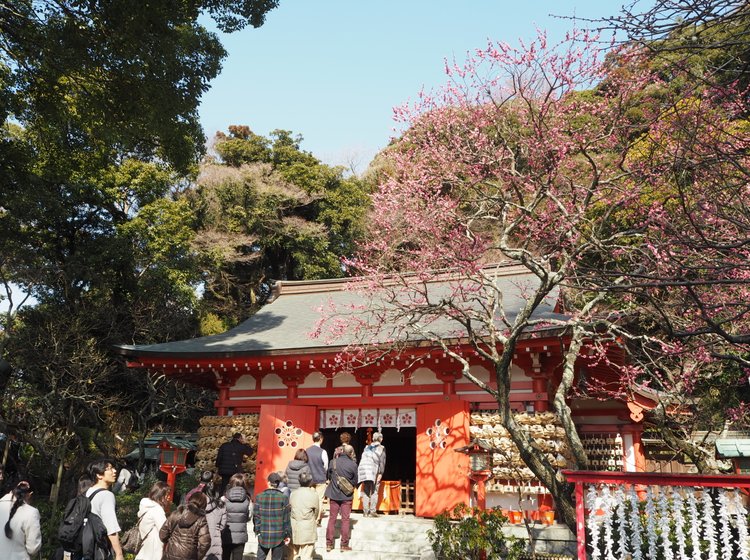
{"x": 318, "y": 463}
{"x": 238, "y": 505}
{"x": 229, "y": 458}
{"x": 185, "y": 534}
{"x": 344, "y": 465}
{"x": 295, "y": 467}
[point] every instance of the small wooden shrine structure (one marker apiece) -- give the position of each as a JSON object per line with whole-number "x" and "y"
{"x": 289, "y": 385}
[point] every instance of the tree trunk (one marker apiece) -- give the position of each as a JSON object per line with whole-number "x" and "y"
{"x": 532, "y": 456}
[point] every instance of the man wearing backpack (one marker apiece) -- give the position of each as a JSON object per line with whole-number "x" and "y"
{"x": 104, "y": 475}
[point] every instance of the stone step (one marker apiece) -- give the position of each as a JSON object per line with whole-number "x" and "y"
{"x": 387, "y": 537}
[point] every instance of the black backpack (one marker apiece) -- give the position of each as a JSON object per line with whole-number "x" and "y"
{"x": 83, "y": 533}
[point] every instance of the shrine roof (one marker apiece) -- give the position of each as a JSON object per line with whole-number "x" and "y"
{"x": 283, "y": 325}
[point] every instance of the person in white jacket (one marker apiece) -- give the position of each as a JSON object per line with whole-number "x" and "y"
{"x": 370, "y": 472}
{"x": 152, "y": 516}
{"x": 20, "y": 529}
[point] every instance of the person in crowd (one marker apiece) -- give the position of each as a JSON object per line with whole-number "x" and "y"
{"x": 83, "y": 485}
{"x": 271, "y": 520}
{"x": 123, "y": 479}
{"x": 20, "y": 526}
{"x": 283, "y": 486}
{"x": 370, "y": 473}
{"x": 216, "y": 517}
{"x": 229, "y": 458}
{"x": 318, "y": 462}
{"x": 344, "y": 438}
{"x": 103, "y": 474}
{"x": 152, "y": 514}
{"x": 185, "y": 534}
{"x": 304, "y": 505}
{"x": 238, "y": 509}
{"x": 295, "y": 467}
{"x": 344, "y": 465}
{"x": 248, "y": 481}
{"x": 207, "y": 477}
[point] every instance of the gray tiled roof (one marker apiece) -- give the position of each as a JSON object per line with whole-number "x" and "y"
{"x": 284, "y": 325}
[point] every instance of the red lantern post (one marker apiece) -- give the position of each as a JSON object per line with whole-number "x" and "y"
{"x": 172, "y": 461}
{"x": 480, "y": 461}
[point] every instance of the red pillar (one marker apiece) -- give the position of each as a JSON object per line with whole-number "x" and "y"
{"x": 539, "y": 385}
{"x": 449, "y": 379}
{"x": 580, "y": 522}
{"x": 221, "y": 410}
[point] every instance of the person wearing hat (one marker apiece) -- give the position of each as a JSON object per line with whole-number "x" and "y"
{"x": 229, "y": 458}
{"x": 271, "y": 520}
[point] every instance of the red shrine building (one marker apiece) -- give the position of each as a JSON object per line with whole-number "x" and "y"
{"x": 271, "y": 367}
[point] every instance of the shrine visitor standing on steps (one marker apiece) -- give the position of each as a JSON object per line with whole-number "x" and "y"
{"x": 271, "y": 520}
{"x": 318, "y": 463}
{"x": 229, "y": 458}
{"x": 371, "y": 468}
{"x": 345, "y": 466}
{"x": 185, "y": 534}
{"x": 304, "y": 512}
{"x": 238, "y": 506}
{"x": 297, "y": 466}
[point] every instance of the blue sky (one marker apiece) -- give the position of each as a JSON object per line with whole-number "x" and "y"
{"x": 332, "y": 70}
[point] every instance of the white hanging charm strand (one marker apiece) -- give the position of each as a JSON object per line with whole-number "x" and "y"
{"x": 740, "y": 518}
{"x": 709, "y": 526}
{"x": 635, "y": 524}
{"x": 678, "y": 506}
{"x": 593, "y": 501}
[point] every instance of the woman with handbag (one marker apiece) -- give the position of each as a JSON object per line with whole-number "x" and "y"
{"x": 151, "y": 517}
{"x": 342, "y": 472}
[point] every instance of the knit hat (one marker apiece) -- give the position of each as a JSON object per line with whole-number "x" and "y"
{"x": 274, "y": 478}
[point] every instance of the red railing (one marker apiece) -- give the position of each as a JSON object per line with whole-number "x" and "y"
{"x": 579, "y": 478}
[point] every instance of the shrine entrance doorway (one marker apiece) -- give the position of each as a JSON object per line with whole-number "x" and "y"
{"x": 400, "y": 446}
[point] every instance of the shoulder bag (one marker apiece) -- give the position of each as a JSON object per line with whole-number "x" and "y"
{"x": 131, "y": 540}
{"x": 342, "y": 482}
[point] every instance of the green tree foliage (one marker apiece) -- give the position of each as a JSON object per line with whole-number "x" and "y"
{"x": 99, "y": 132}
{"x": 699, "y": 43}
{"x": 270, "y": 211}
{"x": 117, "y": 75}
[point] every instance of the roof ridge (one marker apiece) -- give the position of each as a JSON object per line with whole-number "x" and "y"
{"x": 289, "y": 287}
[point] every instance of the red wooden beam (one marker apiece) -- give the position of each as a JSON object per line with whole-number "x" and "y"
{"x": 659, "y": 479}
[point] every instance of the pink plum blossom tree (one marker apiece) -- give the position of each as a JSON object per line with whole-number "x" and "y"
{"x": 577, "y": 168}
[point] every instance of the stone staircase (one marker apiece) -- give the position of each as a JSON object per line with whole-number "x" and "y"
{"x": 386, "y": 537}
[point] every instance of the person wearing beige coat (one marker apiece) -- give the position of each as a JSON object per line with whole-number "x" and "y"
{"x": 304, "y": 505}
